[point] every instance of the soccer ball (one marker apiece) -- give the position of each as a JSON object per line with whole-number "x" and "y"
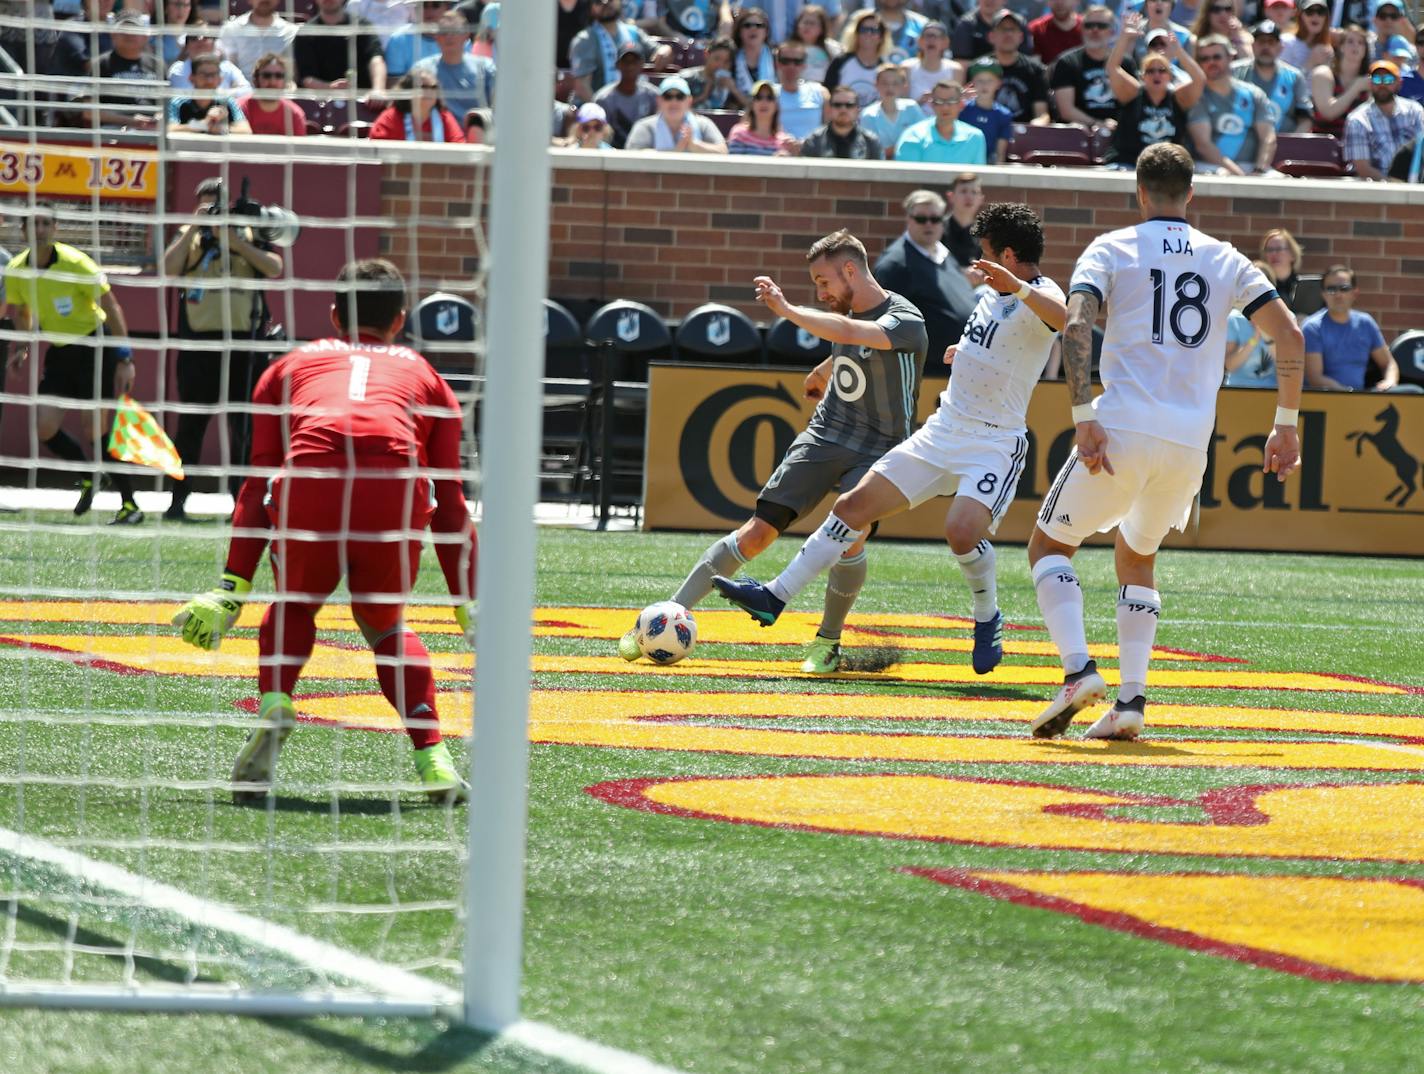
{"x": 666, "y": 632}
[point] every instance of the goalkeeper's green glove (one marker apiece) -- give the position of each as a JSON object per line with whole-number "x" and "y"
{"x": 208, "y": 616}
{"x": 467, "y": 615}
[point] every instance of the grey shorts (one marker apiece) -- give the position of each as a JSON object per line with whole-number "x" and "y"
{"x": 810, "y": 469}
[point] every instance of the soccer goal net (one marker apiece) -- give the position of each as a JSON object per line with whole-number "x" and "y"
{"x": 141, "y": 217}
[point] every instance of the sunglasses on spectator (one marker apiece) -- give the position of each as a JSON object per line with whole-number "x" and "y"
{"x": 753, "y": 26}
{"x": 1097, "y": 26}
{"x": 1384, "y": 78}
{"x": 792, "y": 61}
{"x": 674, "y": 95}
{"x": 272, "y": 74}
{"x": 1282, "y": 249}
{"x": 1215, "y": 57}
{"x": 1164, "y": 72}
{"x": 928, "y": 219}
{"x": 1338, "y": 289}
{"x": 941, "y": 102}
{"x": 764, "y": 97}
{"x": 870, "y": 29}
{"x": 1388, "y": 16}
{"x": 592, "y": 125}
{"x": 845, "y": 104}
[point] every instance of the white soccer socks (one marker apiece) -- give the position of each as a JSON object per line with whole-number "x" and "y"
{"x": 1060, "y": 599}
{"x": 819, "y": 552}
{"x": 977, "y": 565}
{"x": 1138, "y": 610}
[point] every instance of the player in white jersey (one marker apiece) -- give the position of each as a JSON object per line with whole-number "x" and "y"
{"x": 972, "y": 448}
{"x": 1141, "y": 450}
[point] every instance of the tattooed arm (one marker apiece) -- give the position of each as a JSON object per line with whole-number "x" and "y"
{"x": 1092, "y": 441}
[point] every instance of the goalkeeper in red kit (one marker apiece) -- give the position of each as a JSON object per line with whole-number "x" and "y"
{"x": 355, "y": 451}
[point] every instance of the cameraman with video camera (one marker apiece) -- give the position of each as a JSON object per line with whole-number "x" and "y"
{"x": 207, "y": 257}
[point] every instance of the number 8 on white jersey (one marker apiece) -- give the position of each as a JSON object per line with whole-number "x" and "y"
{"x": 1167, "y": 289}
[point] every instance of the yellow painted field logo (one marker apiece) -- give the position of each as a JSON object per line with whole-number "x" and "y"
{"x": 1324, "y": 787}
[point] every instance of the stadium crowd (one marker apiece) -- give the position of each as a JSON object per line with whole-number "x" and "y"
{"x": 940, "y": 81}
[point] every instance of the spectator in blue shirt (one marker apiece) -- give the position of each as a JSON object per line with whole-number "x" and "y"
{"x": 945, "y": 139}
{"x": 1340, "y": 341}
{"x": 1284, "y": 86}
{"x": 1249, "y": 361}
{"x": 994, "y": 121}
{"x": 466, "y": 80}
{"x": 410, "y": 44}
{"x": 895, "y": 112}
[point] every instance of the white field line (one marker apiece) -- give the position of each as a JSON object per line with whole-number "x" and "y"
{"x": 331, "y": 962}
{"x": 1393, "y": 747}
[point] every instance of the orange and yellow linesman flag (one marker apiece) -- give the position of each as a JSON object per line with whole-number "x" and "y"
{"x": 139, "y": 439}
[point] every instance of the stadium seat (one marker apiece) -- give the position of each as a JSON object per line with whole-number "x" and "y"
{"x": 627, "y": 335}
{"x": 1309, "y": 155}
{"x": 564, "y": 444}
{"x": 718, "y": 333}
{"x": 1050, "y": 146}
{"x": 725, "y": 119}
{"x": 440, "y": 324}
{"x": 1408, "y": 351}
{"x": 687, "y": 53}
{"x": 1099, "y": 142}
{"x": 358, "y": 128}
{"x": 786, "y": 344}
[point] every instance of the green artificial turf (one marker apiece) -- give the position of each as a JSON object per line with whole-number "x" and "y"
{"x": 706, "y": 946}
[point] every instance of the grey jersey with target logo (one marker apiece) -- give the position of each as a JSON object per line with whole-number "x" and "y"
{"x": 870, "y": 405}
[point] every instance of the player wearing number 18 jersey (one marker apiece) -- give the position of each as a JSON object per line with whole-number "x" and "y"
{"x": 972, "y": 448}
{"x": 1141, "y": 449}
{"x": 361, "y": 439}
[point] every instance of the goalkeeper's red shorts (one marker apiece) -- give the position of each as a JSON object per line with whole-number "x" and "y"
{"x": 364, "y": 526}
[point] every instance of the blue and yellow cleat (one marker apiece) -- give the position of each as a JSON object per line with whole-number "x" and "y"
{"x": 988, "y": 644}
{"x": 752, "y": 597}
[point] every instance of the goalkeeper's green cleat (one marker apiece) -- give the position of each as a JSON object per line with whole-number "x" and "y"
{"x": 436, "y": 769}
{"x": 823, "y": 656}
{"x": 255, "y": 769}
{"x": 628, "y": 647}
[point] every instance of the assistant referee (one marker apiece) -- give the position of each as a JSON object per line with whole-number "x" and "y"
{"x": 59, "y": 291}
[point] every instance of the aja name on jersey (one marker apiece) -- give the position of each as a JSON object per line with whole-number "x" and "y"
{"x": 1168, "y": 289}
{"x": 999, "y": 359}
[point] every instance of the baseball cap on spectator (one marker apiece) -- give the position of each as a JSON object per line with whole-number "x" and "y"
{"x": 589, "y": 112}
{"x": 979, "y": 66}
{"x": 1388, "y": 3}
{"x": 1008, "y": 13}
{"x": 1266, "y": 28}
{"x": 676, "y": 82}
{"x": 1308, "y": 4}
{"x": 128, "y": 17}
{"x": 1387, "y": 66}
{"x": 1279, "y": 3}
{"x": 1155, "y": 34}
{"x": 629, "y": 49}
{"x": 489, "y": 19}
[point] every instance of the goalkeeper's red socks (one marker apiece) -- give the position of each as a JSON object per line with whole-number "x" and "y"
{"x": 284, "y": 645}
{"x": 403, "y": 670}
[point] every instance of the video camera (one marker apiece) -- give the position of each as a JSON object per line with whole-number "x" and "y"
{"x": 270, "y": 223}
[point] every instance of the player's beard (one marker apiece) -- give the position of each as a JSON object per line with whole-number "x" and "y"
{"x": 839, "y": 302}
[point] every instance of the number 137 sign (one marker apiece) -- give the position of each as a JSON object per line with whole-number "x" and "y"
{"x": 79, "y": 171}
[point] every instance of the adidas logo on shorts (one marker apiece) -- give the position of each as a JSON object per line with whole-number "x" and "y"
{"x": 1063, "y": 520}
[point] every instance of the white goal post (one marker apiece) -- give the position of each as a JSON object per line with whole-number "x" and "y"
{"x": 104, "y": 902}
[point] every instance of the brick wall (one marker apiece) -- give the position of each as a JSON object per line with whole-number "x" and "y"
{"x": 676, "y": 231}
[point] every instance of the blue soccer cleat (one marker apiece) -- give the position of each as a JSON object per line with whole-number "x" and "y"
{"x": 752, "y": 597}
{"x": 988, "y": 644}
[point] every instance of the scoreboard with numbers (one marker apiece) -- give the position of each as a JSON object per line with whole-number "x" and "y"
{"x": 68, "y": 171}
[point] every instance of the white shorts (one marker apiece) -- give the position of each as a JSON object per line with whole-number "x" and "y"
{"x": 947, "y": 458}
{"x": 1150, "y": 492}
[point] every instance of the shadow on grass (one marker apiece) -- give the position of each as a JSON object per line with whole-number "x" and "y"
{"x": 443, "y": 1050}
{"x": 350, "y": 806}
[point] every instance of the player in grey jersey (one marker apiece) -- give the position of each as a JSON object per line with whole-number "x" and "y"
{"x": 972, "y": 448}
{"x": 868, "y": 390}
